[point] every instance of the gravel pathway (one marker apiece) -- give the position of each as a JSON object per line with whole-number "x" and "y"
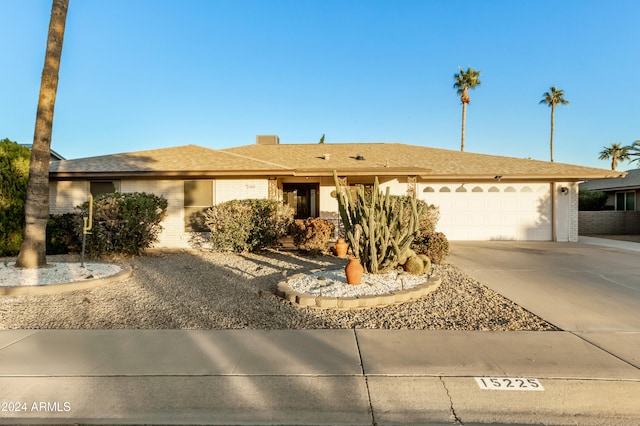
{"x": 207, "y": 290}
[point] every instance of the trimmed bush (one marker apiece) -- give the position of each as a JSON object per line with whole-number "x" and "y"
{"x": 432, "y": 244}
{"x": 247, "y": 225}
{"x": 312, "y": 234}
{"x": 591, "y": 200}
{"x": 271, "y": 220}
{"x": 123, "y": 223}
{"x": 230, "y": 226}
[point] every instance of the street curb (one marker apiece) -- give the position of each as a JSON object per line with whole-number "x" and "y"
{"x": 304, "y": 300}
{"x": 66, "y": 287}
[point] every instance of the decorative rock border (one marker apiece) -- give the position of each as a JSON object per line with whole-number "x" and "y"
{"x": 285, "y": 291}
{"x": 30, "y": 290}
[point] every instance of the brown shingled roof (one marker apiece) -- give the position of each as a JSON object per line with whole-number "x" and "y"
{"x": 187, "y": 160}
{"x": 390, "y": 159}
{"x": 403, "y": 159}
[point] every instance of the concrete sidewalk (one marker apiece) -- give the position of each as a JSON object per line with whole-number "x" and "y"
{"x": 338, "y": 377}
{"x": 605, "y": 242}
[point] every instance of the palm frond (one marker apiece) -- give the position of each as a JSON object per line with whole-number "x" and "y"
{"x": 554, "y": 97}
{"x": 468, "y": 79}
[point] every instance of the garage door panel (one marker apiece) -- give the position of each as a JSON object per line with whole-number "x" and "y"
{"x": 522, "y": 214}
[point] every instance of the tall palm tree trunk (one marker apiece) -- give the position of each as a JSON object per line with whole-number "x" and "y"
{"x": 464, "y": 120}
{"x": 33, "y": 249}
{"x": 553, "y": 109}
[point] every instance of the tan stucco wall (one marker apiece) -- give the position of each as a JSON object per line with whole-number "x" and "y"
{"x": 65, "y": 195}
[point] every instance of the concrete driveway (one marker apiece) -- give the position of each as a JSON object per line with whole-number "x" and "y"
{"x": 577, "y": 287}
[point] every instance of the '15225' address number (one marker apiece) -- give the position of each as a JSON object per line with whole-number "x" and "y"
{"x": 509, "y": 383}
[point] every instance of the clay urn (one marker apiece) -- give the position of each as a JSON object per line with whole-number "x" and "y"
{"x": 341, "y": 247}
{"x": 354, "y": 271}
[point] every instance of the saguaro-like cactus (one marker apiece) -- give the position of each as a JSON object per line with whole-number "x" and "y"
{"x": 374, "y": 227}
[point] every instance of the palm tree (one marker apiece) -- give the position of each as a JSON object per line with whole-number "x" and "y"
{"x": 465, "y": 80}
{"x": 616, "y": 152}
{"x": 634, "y": 151}
{"x": 36, "y": 208}
{"x": 552, "y": 99}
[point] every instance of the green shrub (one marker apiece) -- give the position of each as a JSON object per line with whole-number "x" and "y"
{"x": 271, "y": 220}
{"x": 10, "y": 241}
{"x": 230, "y": 226}
{"x": 124, "y": 223}
{"x": 432, "y": 244}
{"x": 247, "y": 225}
{"x": 312, "y": 234}
{"x": 591, "y": 200}
{"x": 64, "y": 233}
{"x": 14, "y": 173}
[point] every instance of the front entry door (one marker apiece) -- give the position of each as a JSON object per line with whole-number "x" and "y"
{"x": 303, "y": 197}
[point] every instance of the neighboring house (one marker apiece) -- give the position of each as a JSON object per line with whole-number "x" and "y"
{"x": 481, "y": 197}
{"x": 621, "y": 214}
{"x": 53, "y": 156}
{"x": 622, "y": 191}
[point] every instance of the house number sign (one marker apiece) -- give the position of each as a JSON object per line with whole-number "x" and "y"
{"x": 509, "y": 383}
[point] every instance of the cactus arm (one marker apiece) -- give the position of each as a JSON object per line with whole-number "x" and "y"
{"x": 372, "y": 241}
{"x": 374, "y": 225}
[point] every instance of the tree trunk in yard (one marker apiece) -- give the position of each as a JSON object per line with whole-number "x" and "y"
{"x": 33, "y": 249}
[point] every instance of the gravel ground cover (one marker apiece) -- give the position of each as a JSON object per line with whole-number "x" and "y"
{"x": 54, "y": 273}
{"x": 207, "y": 290}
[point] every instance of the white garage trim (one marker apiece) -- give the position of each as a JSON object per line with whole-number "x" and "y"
{"x": 492, "y": 211}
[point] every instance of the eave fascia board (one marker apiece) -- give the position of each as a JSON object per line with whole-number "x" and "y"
{"x": 169, "y": 175}
{"x": 505, "y": 178}
{"x": 387, "y": 171}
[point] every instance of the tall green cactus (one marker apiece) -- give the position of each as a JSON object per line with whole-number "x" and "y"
{"x": 374, "y": 226}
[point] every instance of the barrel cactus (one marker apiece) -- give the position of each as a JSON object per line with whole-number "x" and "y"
{"x": 414, "y": 265}
{"x": 405, "y": 256}
{"x": 426, "y": 262}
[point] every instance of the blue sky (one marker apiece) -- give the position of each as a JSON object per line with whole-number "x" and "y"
{"x": 142, "y": 74}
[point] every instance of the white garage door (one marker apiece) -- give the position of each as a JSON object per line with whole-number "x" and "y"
{"x": 492, "y": 211}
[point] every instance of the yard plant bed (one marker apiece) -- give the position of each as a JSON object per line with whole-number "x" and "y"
{"x": 208, "y": 290}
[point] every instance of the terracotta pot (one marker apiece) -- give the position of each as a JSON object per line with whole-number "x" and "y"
{"x": 341, "y": 247}
{"x": 354, "y": 271}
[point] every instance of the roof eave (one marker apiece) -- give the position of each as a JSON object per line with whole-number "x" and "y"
{"x": 167, "y": 174}
{"x": 614, "y": 188}
{"x": 506, "y": 178}
{"x": 385, "y": 171}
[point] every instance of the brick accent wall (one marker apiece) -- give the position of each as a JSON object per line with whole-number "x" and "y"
{"x": 609, "y": 222}
{"x": 574, "y": 221}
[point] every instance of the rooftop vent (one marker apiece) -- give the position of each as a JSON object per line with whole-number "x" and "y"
{"x": 359, "y": 157}
{"x": 267, "y": 140}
